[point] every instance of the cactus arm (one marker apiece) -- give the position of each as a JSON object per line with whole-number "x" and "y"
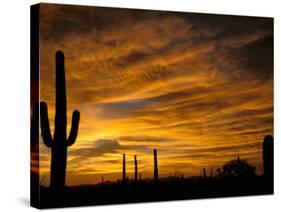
{"x": 74, "y": 128}
{"x": 45, "y": 125}
{"x": 60, "y": 116}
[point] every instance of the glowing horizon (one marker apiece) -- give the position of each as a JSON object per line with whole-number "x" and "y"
{"x": 197, "y": 87}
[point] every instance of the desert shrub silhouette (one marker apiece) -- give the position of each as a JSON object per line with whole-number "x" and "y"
{"x": 237, "y": 168}
{"x": 59, "y": 142}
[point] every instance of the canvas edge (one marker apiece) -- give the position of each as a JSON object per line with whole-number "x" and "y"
{"x": 34, "y": 98}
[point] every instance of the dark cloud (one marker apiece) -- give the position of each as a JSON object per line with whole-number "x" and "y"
{"x": 196, "y": 108}
{"x": 217, "y": 151}
{"x": 104, "y": 146}
{"x": 256, "y": 57}
{"x": 240, "y": 26}
{"x": 133, "y": 58}
{"x": 250, "y": 113}
{"x": 60, "y": 20}
{"x": 183, "y": 94}
{"x": 117, "y": 110}
{"x": 255, "y": 132}
{"x": 227, "y": 26}
{"x": 99, "y": 148}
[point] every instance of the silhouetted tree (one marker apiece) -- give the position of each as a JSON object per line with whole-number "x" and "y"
{"x": 59, "y": 142}
{"x": 236, "y": 168}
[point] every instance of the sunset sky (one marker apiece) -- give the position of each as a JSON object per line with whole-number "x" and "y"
{"x": 197, "y": 87}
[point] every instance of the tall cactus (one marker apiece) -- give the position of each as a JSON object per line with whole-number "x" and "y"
{"x": 124, "y": 168}
{"x": 136, "y": 169}
{"x": 59, "y": 142}
{"x": 268, "y": 157}
{"x": 155, "y": 166}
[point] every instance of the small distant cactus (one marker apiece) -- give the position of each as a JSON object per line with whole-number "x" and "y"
{"x": 136, "y": 169}
{"x": 124, "y": 168}
{"x": 204, "y": 173}
{"x": 59, "y": 142}
{"x": 155, "y": 166}
{"x": 268, "y": 157}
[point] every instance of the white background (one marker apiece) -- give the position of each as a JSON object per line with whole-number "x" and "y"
{"x": 14, "y": 107}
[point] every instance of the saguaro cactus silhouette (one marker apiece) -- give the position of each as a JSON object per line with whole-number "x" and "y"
{"x": 204, "y": 173}
{"x": 155, "y": 166}
{"x": 136, "y": 169}
{"x": 59, "y": 142}
{"x": 124, "y": 168}
{"x": 268, "y": 157}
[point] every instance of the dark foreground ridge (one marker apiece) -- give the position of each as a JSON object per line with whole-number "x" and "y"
{"x": 166, "y": 189}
